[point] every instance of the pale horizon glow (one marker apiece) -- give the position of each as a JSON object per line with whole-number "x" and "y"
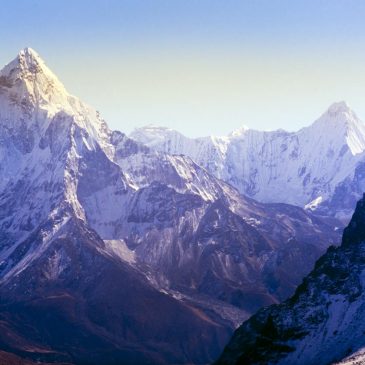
{"x": 202, "y": 68}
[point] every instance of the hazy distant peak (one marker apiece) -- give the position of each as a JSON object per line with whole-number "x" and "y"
{"x": 341, "y": 115}
{"x": 239, "y": 131}
{"x": 154, "y": 125}
{"x": 339, "y": 107}
{"x": 338, "y": 114}
{"x": 153, "y": 134}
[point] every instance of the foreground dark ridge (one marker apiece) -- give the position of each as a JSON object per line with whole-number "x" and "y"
{"x": 323, "y": 322}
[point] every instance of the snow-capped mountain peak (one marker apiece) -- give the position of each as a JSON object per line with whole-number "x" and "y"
{"x": 29, "y": 59}
{"x": 38, "y": 98}
{"x": 340, "y": 125}
{"x": 239, "y": 132}
{"x": 153, "y": 133}
{"x": 338, "y": 114}
{"x": 26, "y": 60}
{"x": 340, "y": 107}
{"x": 28, "y": 77}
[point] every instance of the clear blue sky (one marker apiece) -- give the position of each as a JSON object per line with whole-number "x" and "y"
{"x": 202, "y": 67}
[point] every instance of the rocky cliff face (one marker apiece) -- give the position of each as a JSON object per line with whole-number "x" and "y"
{"x": 319, "y": 168}
{"x": 322, "y": 322}
{"x": 67, "y": 295}
{"x": 113, "y": 252}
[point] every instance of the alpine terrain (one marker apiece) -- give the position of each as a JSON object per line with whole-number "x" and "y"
{"x": 323, "y": 322}
{"x": 320, "y": 168}
{"x": 113, "y": 252}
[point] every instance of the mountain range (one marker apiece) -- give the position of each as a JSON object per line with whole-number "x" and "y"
{"x": 118, "y": 249}
{"x": 319, "y": 168}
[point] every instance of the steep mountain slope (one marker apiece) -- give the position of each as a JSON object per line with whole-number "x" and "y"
{"x": 76, "y": 305}
{"x": 198, "y": 235}
{"x": 112, "y": 252}
{"x": 358, "y": 358}
{"x": 63, "y": 293}
{"x": 319, "y": 167}
{"x": 322, "y": 323}
{"x": 7, "y": 358}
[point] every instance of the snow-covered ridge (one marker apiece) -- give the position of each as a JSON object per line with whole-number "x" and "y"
{"x": 358, "y": 358}
{"x": 28, "y": 79}
{"x": 61, "y": 160}
{"x": 38, "y": 97}
{"x": 86, "y": 205}
{"x": 314, "y": 164}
